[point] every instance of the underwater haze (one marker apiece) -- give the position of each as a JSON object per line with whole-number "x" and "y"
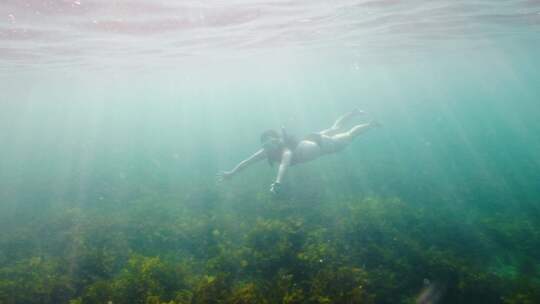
{"x": 115, "y": 117}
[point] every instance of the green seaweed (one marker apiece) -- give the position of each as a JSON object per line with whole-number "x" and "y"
{"x": 373, "y": 250}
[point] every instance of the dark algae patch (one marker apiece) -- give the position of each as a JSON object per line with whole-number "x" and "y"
{"x": 154, "y": 250}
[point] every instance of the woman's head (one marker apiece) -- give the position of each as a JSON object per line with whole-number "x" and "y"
{"x": 271, "y": 141}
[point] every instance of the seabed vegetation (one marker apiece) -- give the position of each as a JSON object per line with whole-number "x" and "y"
{"x": 162, "y": 249}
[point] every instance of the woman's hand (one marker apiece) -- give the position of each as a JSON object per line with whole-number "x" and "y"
{"x": 275, "y": 187}
{"x": 224, "y": 175}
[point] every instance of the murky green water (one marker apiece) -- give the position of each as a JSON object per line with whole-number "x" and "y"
{"x": 108, "y": 191}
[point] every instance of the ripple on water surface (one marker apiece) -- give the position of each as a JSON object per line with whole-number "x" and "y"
{"x": 51, "y": 31}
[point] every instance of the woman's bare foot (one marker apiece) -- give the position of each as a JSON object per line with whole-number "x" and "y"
{"x": 375, "y": 124}
{"x": 357, "y": 111}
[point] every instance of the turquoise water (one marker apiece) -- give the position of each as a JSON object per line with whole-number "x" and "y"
{"x": 116, "y": 116}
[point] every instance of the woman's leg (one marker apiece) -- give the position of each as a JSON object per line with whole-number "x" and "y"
{"x": 341, "y": 140}
{"x": 359, "y": 129}
{"x": 340, "y": 122}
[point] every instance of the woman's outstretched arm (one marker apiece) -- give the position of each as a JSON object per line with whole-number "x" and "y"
{"x": 283, "y": 166}
{"x": 257, "y": 156}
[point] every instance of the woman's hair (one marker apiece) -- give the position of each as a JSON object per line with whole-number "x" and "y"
{"x": 271, "y": 156}
{"x": 269, "y": 134}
